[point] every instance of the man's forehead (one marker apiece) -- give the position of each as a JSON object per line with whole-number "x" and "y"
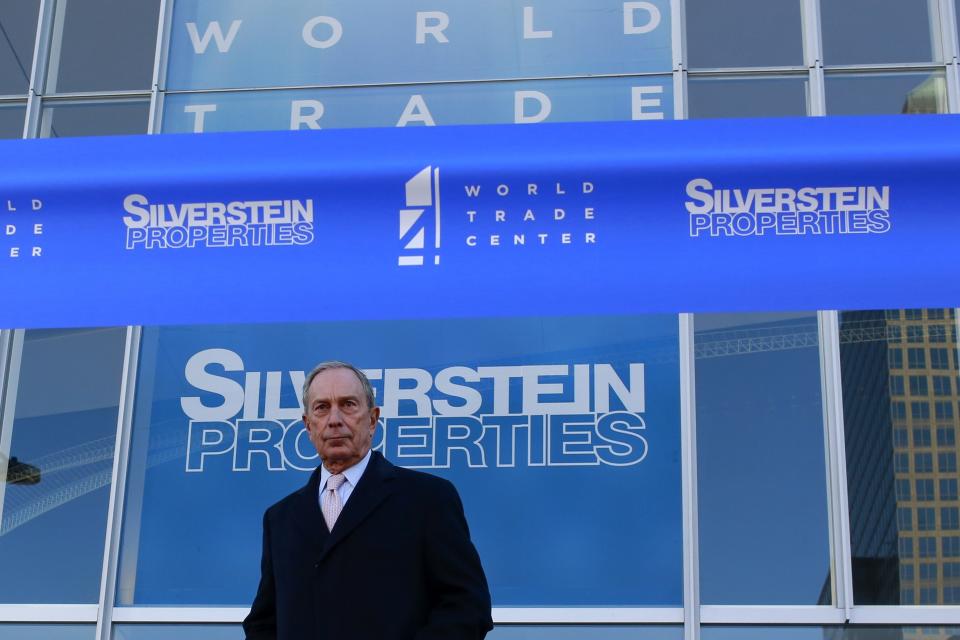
{"x": 335, "y": 382}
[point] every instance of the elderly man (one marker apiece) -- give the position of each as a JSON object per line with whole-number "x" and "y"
{"x": 365, "y": 550}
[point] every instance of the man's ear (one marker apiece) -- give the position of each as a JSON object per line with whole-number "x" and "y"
{"x": 374, "y": 416}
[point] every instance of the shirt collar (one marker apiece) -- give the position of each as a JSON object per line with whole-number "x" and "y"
{"x": 353, "y": 473}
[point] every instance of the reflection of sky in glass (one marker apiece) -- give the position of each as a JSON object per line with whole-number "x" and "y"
{"x": 19, "y": 22}
{"x": 726, "y": 34}
{"x": 762, "y": 482}
{"x": 747, "y": 97}
{"x": 47, "y": 631}
{"x": 885, "y": 93}
{"x": 52, "y": 533}
{"x": 179, "y": 631}
{"x": 871, "y": 32}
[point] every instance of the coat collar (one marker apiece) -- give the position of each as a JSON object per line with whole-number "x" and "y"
{"x": 374, "y": 487}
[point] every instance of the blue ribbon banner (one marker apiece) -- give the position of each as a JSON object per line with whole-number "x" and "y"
{"x": 559, "y": 219}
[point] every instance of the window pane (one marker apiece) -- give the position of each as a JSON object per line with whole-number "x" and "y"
{"x": 11, "y": 121}
{"x": 761, "y": 474}
{"x": 726, "y": 34}
{"x": 574, "y": 100}
{"x": 179, "y": 631}
{"x": 229, "y": 44}
{"x": 871, "y": 32}
{"x": 886, "y": 497}
{"x": 98, "y": 52}
{"x": 18, "y": 29}
{"x": 885, "y": 93}
{"x": 100, "y": 118}
{"x": 28, "y": 631}
{"x": 747, "y": 97}
{"x": 199, "y": 506}
{"x": 60, "y": 465}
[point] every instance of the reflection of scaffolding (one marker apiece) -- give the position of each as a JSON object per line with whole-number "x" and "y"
{"x": 760, "y": 339}
{"x": 72, "y": 473}
{"x": 77, "y": 471}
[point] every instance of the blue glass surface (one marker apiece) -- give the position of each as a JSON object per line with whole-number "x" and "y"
{"x": 30, "y": 631}
{"x": 202, "y": 510}
{"x": 52, "y": 532}
{"x": 177, "y": 631}
{"x": 764, "y": 537}
{"x": 249, "y": 43}
{"x": 575, "y": 100}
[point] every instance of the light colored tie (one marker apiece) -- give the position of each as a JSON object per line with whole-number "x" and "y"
{"x": 330, "y": 503}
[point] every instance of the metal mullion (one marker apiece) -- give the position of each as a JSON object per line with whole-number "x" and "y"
{"x": 678, "y": 48}
{"x": 951, "y": 54}
{"x": 6, "y": 342}
{"x": 158, "y": 84}
{"x": 121, "y": 453}
{"x": 889, "y": 67}
{"x": 55, "y": 32}
{"x": 813, "y": 56}
{"x": 748, "y": 71}
{"x": 953, "y": 87}
{"x": 87, "y": 95}
{"x": 688, "y": 485}
{"x": 11, "y": 351}
{"x": 414, "y": 84}
{"x": 836, "y": 463}
{"x": 948, "y": 31}
{"x": 40, "y": 57}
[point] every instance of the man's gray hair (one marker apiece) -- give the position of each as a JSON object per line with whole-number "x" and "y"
{"x": 336, "y": 364}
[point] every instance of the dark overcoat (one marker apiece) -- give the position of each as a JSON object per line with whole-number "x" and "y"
{"x": 398, "y": 565}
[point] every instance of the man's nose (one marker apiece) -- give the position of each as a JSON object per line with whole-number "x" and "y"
{"x": 334, "y": 417}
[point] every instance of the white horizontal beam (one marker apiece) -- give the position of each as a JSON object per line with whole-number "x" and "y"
{"x": 48, "y": 613}
{"x": 587, "y": 615}
{"x": 770, "y": 614}
{"x": 501, "y": 615}
{"x": 923, "y": 615}
{"x": 180, "y": 614}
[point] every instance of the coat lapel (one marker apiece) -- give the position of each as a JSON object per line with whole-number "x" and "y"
{"x": 374, "y": 487}
{"x": 307, "y": 514}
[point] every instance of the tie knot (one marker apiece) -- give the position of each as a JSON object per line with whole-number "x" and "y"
{"x": 334, "y": 481}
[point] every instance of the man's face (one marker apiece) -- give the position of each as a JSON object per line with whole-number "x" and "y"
{"x": 339, "y": 422}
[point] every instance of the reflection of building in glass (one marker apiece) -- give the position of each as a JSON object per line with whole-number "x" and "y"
{"x": 914, "y": 447}
{"x": 869, "y": 439}
{"x": 927, "y": 97}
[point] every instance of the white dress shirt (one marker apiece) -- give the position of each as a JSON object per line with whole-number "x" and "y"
{"x": 352, "y": 474}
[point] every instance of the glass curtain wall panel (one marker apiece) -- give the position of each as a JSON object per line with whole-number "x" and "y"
{"x": 59, "y": 468}
{"x": 102, "y": 45}
{"x": 743, "y": 33}
{"x": 18, "y": 30}
{"x": 857, "y": 32}
{"x": 900, "y": 397}
{"x": 764, "y": 536}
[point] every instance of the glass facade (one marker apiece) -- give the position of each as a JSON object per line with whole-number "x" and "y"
{"x": 816, "y": 478}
